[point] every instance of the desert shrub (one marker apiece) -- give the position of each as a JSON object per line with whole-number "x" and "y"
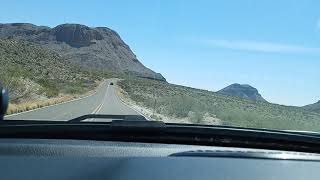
{"x": 196, "y": 117}
{"x": 179, "y": 106}
{"x": 50, "y": 88}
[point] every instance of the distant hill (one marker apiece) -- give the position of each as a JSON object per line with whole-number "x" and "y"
{"x": 96, "y": 48}
{"x": 313, "y": 107}
{"x": 243, "y": 91}
{"x": 31, "y": 71}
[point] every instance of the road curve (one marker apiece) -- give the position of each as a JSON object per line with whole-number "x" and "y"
{"x": 104, "y": 101}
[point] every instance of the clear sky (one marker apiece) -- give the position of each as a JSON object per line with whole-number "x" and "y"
{"x": 270, "y": 44}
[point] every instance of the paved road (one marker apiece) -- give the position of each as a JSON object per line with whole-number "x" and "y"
{"x": 104, "y": 101}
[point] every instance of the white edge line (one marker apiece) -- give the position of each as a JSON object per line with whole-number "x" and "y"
{"x": 131, "y": 107}
{"x": 54, "y": 104}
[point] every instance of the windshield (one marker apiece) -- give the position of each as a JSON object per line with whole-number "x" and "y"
{"x": 230, "y": 63}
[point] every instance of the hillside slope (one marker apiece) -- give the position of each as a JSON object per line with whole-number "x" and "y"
{"x": 32, "y": 72}
{"x": 313, "y": 107}
{"x": 97, "y": 48}
{"x": 200, "y": 106}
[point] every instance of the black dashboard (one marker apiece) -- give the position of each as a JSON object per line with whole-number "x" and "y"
{"x": 89, "y": 159}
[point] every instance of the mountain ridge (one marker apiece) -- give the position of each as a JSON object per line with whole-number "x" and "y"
{"x": 313, "y": 107}
{"x": 98, "y": 48}
{"x": 243, "y": 91}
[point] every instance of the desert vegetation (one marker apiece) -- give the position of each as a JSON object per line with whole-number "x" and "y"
{"x": 197, "y": 105}
{"x": 36, "y": 77}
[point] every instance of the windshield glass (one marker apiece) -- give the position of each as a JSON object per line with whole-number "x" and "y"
{"x": 232, "y": 63}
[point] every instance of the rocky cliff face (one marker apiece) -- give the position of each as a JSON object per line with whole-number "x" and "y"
{"x": 98, "y": 48}
{"x": 76, "y": 35}
{"x": 243, "y": 91}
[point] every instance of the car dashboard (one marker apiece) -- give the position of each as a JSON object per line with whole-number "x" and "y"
{"x": 90, "y": 159}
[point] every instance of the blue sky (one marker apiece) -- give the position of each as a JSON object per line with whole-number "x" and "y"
{"x": 272, "y": 45}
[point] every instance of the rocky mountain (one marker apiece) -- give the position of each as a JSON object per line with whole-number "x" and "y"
{"x": 313, "y": 107}
{"x": 96, "y": 48}
{"x": 243, "y": 91}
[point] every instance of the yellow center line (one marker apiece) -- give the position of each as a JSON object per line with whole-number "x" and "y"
{"x": 103, "y": 101}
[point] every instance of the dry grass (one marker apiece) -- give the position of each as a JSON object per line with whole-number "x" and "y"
{"x": 35, "y": 104}
{"x": 27, "y": 106}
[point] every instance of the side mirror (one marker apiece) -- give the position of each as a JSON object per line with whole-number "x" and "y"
{"x": 4, "y": 101}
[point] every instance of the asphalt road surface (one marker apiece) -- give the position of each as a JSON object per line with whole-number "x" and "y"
{"x": 104, "y": 101}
